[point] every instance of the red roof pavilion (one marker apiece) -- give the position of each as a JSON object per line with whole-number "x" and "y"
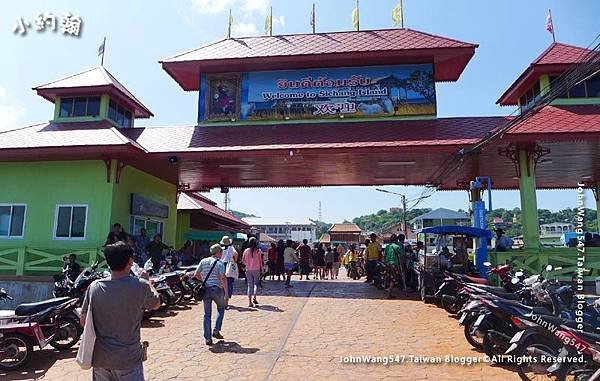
{"x": 334, "y": 49}
{"x": 556, "y": 59}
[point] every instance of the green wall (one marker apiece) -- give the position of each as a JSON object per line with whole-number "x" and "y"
{"x": 135, "y": 181}
{"x": 183, "y": 226}
{"x": 43, "y": 185}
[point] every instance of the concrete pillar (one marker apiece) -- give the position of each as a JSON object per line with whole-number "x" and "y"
{"x": 529, "y": 214}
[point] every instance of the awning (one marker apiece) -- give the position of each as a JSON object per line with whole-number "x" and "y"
{"x": 212, "y": 235}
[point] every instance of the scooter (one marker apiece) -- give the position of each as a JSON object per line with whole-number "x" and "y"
{"x": 53, "y": 322}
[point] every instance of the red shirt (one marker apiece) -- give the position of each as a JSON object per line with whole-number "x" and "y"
{"x": 272, "y": 255}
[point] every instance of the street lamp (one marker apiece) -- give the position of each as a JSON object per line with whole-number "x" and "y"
{"x": 403, "y": 207}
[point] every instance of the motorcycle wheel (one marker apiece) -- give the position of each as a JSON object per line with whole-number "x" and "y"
{"x": 450, "y": 304}
{"x": 15, "y": 351}
{"x": 68, "y": 335}
{"x": 165, "y": 301}
{"x": 147, "y": 314}
{"x": 492, "y": 350}
{"x": 360, "y": 271}
{"x": 538, "y": 370}
{"x": 178, "y": 291}
{"x": 475, "y": 341}
{"x": 188, "y": 292}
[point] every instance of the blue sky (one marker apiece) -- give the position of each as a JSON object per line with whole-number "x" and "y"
{"x": 510, "y": 33}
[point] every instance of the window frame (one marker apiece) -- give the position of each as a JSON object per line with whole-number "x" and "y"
{"x": 71, "y": 113}
{"x": 85, "y": 224}
{"x": 11, "y": 221}
{"x": 133, "y": 217}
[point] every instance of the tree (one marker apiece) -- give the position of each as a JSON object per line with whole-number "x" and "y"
{"x": 421, "y": 82}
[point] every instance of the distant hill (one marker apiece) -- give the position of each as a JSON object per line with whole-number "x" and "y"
{"x": 381, "y": 220}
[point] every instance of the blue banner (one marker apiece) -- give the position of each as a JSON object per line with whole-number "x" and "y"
{"x": 364, "y": 92}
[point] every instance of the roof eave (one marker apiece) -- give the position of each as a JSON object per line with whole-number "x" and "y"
{"x": 179, "y": 70}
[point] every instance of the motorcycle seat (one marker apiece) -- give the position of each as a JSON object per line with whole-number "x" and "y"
{"x": 473, "y": 279}
{"x": 27, "y": 309}
{"x": 492, "y": 289}
{"x": 6, "y": 314}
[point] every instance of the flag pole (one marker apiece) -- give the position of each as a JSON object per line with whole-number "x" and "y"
{"x": 103, "y": 50}
{"x": 314, "y": 27}
{"x": 271, "y": 22}
{"x": 229, "y": 25}
{"x": 551, "y": 20}
{"x": 357, "y": 16}
{"x": 401, "y": 15}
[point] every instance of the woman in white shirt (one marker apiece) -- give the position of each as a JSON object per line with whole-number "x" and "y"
{"x": 229, "y": 255}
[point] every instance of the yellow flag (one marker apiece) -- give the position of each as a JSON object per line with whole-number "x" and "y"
{"x": 397, "y": 16}
{"x": 269, "y": 23}
{"x": 355, "y": 19}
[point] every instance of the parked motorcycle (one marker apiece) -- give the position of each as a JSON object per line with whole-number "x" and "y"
{"x": 53, "y": 322}
{"x": 77, "y": 288}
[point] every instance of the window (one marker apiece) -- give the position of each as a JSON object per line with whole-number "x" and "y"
{"x": 70, "y": 222}
{"x": 152, "y": 227}
{"x": 577, "y": 91}
{"x": 593, "y": 86}
{"x": 119, "y": 114}
{"x": 79, "y": 106}
{"x": 12, "y": 220}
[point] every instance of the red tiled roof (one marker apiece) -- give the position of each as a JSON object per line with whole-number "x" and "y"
{"x": 49, "y": 134}
{"x": 361, "y": 47}
{"x": 556, "y": 59}
{"x": 429, "y": 132}
{"x": 558, "y": 53}
{"x": 88, "y": 81}
{"x": 193, "y": 201}
{"x": 553, "y": 120}
{"x": 344, "y": 228}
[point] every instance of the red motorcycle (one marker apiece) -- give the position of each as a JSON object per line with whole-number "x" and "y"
{"x": 53, "y": 322}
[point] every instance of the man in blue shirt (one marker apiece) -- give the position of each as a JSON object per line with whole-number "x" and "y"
{"x": 216, "y": 290}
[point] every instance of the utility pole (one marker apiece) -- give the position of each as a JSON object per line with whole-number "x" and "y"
{"x": 320, "y": 212}
{"x": 404, "y": 216}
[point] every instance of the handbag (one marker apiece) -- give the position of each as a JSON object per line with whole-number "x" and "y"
{"x": 200, "y": 289}
{"x": 232, "y": 270}
{"x": 88, "y": 339}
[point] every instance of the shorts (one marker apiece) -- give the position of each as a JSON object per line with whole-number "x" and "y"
{"x": 289, "y": 266}
{"x": 328, "y": 265}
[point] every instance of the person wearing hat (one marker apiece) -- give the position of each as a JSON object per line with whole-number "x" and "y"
{"x": 229, "y": 255}
{"x": 216, "y": 291}
{"x": 503, "y": 243}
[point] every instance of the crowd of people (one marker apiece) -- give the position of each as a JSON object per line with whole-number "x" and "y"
{"x": 125, "y": 296}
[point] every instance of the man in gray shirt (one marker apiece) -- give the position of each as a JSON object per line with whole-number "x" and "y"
{"x": 117, "y": 305}
{"x": 216, "y": 290}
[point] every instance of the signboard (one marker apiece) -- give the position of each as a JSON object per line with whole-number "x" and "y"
{"x": 141, "y": 206}
{"x": 358, "y": 92}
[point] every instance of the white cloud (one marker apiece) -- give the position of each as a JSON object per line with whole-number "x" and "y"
{"x": 243, "y": 29}
{"x": 279, "y": 21}
{"x": 239, "y": 7}
{"x": 9, "y": 113}
{"x": 211, "y": 6}
{"x": 255, "y": 5}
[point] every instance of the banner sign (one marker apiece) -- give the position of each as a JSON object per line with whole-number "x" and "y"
{"x": 359, "y": 92}
{"x": 141, "y": 206}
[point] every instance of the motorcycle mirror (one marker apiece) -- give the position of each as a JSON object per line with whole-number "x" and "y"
{"x": 487, "y": 264}
{"x": 514, "y": 280}
{"x": 519, "y": 274}
{"x": 549, "y": 268}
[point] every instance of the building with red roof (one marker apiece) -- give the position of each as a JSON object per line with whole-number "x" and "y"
{"x": 342, "y": 108}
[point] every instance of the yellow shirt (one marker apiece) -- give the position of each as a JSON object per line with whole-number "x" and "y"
{"x": 372, "y": 252}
